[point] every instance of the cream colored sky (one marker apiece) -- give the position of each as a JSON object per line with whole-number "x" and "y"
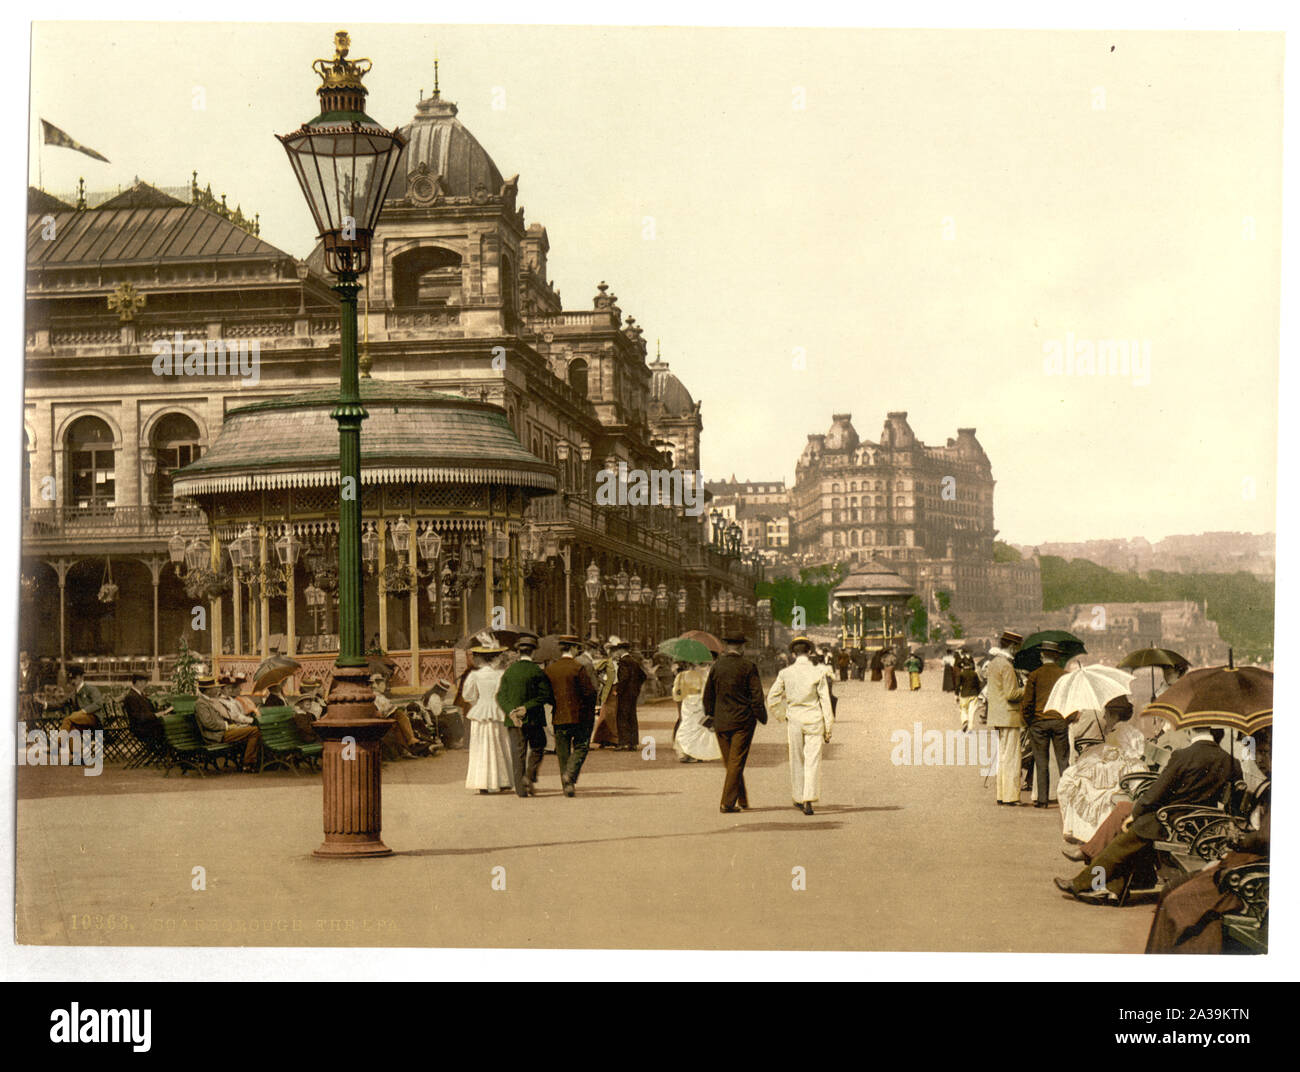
{"x": 823, "y": 228}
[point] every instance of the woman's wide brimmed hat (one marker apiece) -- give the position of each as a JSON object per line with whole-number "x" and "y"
{"x": 487, "y": 649}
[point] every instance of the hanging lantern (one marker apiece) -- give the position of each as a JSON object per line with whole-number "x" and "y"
{"x": 647, "y": 595}
{"x": 661, "y": 596}
{"x": 592, "y": 584}
{"x": 500, "y": 545}
{"x": 429, "y": 543}
{"x": 475, "y": 554}
{"x": 108, "y": 590}
{"x": 401, "y": 533}
{"x": 287, "y": 548}
{"x": 196, "y": 555}
{"x": 634, "y": 589}
{"x": 236, "y": 553}
{"x": 681, "y": 601}
{"x": 370, "y": 546}
{"x": 176, "y": 549}
{"x": 715, "y": 605}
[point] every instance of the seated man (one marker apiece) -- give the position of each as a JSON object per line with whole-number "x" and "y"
{"x": 217, "y": 724}
{"x": 1197, "y": 774}
{"x": 146, "y": 723}
{"x": 1189, "y": 916}
{"x": 86, "y": 700}
{"x": 402, "y": 735}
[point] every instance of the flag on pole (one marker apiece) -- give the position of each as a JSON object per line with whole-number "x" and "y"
{"x": 52, "y": 135}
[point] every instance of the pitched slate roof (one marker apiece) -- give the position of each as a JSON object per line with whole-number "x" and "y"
{"x": 119, "y": 235}
{"x": 39, "y": 202}
{"x": 412, "y": 435}
{"x": 141, "y": 195}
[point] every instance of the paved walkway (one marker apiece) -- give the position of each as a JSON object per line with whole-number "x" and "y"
{"x": 898, "y": 857}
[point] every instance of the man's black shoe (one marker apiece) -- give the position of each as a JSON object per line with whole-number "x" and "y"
{"x": 807, "y": 807}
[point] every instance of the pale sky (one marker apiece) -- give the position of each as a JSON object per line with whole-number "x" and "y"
{"x": 944, "y": 206}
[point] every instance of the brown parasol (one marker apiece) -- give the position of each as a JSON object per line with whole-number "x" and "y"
{"x": 274, "y": 670}
{"x": 1239, "y": 698}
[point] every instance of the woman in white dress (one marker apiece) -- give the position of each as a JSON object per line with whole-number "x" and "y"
{"x": 489, "y": 744}
{"x": 692, "y": 742}
{"x": 1087, "y": 785}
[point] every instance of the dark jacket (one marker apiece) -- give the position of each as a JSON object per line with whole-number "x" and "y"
{"x": 1197, "y": 774}
{"x": 631, "y": 676}
{"x": 140, "y": 714}
{"x": 525, "y": 684}
{"x": 575, "y": 692}
{"x": 733, "y": 694}
{"x": 1038, "y": 687}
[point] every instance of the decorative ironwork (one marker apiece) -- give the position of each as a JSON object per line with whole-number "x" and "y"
{"x": 125, "y": 302}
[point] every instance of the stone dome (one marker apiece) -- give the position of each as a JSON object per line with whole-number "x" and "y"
{"x": 441, "y": 152}
{"x": 412, "y": 435}
{"x": 668, "y": 395}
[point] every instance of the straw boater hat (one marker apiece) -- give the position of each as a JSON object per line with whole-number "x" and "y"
{"x": 487, "y": 649}
{"x": 1050, "y": 647}
{"x": 207, "y": 681}
{"x": 526, "y": 640}
{"x": 1009, "y": 636}
{"x": 616, "y": 643}
{"x": 569, "y": 640}
{"x": 802, "y": 640}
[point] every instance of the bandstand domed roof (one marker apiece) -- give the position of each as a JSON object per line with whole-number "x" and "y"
{"x": 871, "y": 579}
{"x": 441, "y": 142}
{"x": 412, "y": 434}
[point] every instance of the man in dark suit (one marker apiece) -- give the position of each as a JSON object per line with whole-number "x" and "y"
{"x": 1045, "y": 727}
{"x": 574, "y": 713}
{"x": 733, "y": 707}
{"x": 523, "y": 694}
{"x": 631, "y": 676}
{"x": 1197, "y": 774}
{"x": 145, "y": 722}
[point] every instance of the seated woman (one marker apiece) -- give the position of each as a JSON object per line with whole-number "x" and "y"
{"x": 1088, "y": 784}
{"x": 691, "y": 741}
{"x": 1189, "y": 915}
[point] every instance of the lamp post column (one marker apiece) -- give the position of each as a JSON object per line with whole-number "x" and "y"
{"x": 351, "y": 732}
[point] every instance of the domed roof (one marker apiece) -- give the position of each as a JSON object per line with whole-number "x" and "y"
{"x": 439, "y": 142}
{"x": 842, "y": 434}
{"x": 411, "y": 435}
{"x": 668, "y": 395}
{"x": 872, "y": 579}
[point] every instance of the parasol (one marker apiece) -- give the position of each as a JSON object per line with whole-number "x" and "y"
{"x": 1029, "y": 657}
{"x": 274, "y": 670}
{"x": 1089, "y": 688}
{"x": 707, "y": 639}
{"x": 686, "y": 650}
{"x": 1239, "y": 698}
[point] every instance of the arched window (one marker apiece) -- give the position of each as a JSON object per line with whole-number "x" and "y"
{"x": 429, "y": 276}
{"x": 91, "y": 474}
{"x": 509, "y": 291}
{"x": 853, "y": 538}
{"x": 175, "y": 443}
{"x": 578, "y": 376}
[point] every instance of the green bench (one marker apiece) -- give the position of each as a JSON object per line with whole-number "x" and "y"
{"x": 282, "y": 743}
{"x": 185, "y": 747}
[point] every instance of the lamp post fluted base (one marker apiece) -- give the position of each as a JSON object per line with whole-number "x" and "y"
{"x": 350, "y": 768}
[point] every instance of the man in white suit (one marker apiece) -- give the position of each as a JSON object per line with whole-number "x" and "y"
{"x": 801, "y": 697}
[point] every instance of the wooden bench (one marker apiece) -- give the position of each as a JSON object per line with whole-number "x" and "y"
{"x": 186, "y": 748}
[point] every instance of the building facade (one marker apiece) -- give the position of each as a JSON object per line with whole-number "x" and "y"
{"x": 458, "y": 301}
{"x": 926, "y": 511}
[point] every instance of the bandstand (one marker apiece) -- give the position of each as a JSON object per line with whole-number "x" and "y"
{"x": 444, "y": 487}
{"x": 872, "y": 601}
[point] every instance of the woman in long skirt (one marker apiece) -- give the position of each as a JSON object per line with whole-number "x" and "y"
{"x": 489, "y": 744}
{"x": 691, "y": 741}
